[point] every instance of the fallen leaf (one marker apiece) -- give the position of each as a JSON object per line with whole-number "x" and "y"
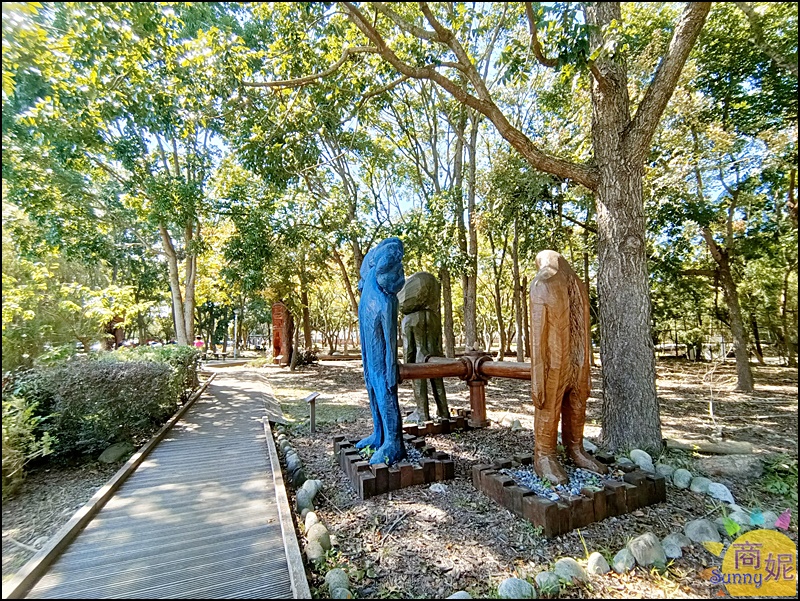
{"x": 706, "y": 574}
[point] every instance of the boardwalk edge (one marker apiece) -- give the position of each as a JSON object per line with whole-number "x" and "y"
{"x": 30, "y": 573}
{"x": 294, "y": 558}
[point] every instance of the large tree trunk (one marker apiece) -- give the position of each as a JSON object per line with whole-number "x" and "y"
{"x": 191, "y": 277}
{"x": 630, "y": 405}
{"x": 447, "y": 312}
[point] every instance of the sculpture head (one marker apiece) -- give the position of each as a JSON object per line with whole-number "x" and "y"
{"x": 548, "y": 263}
{"x": 421, "y": 291}
{"x": 386, "y": 261}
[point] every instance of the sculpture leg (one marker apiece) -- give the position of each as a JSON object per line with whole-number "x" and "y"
{"x": 573, "y": 421}
{"x": 392, "y": 449}
{"x": 376, "y": 438}
{"x": 545, "y": 423}
{"x": 421, "y": 398}
{"x": 437, "y": 387}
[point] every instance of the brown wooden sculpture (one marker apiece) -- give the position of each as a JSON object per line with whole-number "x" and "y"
{"x": 560, "y": 368}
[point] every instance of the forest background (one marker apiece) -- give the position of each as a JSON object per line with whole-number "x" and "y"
{"x": 165, "y": 164}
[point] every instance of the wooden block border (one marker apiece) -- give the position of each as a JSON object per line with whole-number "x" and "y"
{"x": 638, "y": 489}
{"x": 370, "y": 480}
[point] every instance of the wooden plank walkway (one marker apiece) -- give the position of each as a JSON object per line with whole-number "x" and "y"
{"x": 198, "y": 519}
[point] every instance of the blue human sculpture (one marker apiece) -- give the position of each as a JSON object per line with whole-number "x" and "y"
{"x": 382, "y": 278}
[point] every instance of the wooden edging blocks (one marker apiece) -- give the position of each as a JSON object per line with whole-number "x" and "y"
{"x": 370, "y": 480}
{"x": 638, "y": 489}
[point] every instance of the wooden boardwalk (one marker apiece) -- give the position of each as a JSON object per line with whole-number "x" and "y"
{"x": 199, "y": 518}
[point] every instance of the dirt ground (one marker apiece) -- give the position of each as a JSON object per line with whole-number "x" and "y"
{"x": 416, "y": 543}
{"x": 421, "y": 544}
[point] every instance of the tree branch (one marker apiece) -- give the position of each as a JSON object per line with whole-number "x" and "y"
{"x": 535, "y": 45}
{"x": 582, "y": 174}
{"x": 758, "y": 36}
{"x": 302, "y": 81}
{"x": 641, "y": 128}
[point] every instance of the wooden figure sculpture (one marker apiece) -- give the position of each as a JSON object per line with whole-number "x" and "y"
{"x": 381, "y": 279}
{"x": 282, "y": 333}
{"x": 560, "y": 367}
{"x": 422, "y": 337}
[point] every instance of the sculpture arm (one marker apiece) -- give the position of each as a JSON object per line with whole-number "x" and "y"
{"x": 389, "y": 327}
{"x": 538, "y": 353}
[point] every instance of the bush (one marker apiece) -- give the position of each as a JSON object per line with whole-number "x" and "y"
{"x": 183, "y": 360}
{"x": 88, "y": 404}
{"x": 20, "y": 441}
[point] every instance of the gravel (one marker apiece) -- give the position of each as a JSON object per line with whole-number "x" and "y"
{"x": 578, "y": 478}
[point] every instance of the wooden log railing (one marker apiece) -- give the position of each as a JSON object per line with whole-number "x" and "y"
{"x": 476, "y": 367}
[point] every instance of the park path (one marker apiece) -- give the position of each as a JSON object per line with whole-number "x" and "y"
{"x": 199, "y": 518}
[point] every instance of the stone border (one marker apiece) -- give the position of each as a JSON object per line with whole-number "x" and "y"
{"x": 294, "y": 559}
{"x": 37, "y": 566}
{"x": 638, "y": 489}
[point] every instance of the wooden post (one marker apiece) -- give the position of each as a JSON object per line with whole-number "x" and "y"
{"x": 311, "y": 399}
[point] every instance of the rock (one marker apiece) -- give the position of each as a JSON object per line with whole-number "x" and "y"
{"x": 115, "y": 452}
{"x": 590, "y": 446}
{"x": 570, "y": 570}
{"x": 514, "y": 588}
{"x": 662, "y": 469}
{"x": 311, "y": 519}
{"x": 700, "y": 484}
{"x": 284, "y": 446}
{"x": 671, "y": 549}
{"x": 305, "y": 512}
{"x": 770, "y": 517}
{"x": 597, "y": 564}
{"x": 460, "y": 595}
{"x": 304, "y": 500}
{"x": 741, "y": 518}
{"x": 682, "y": 478}
{"x": 281, "y": 437}
{"x": 624, "y": 461}
{"x": 679, "y": 539}
{"x": 298, "y": 477}
{"x": 341, "y": 593}
{"x": 516, "y": 425}
{"x": 720, "y": 492}
{"x": 624, "y": 561}
{"x": 647, "y": 550}
{"x": 438, "y": 487}
{"x": 700, "y": 531}
{"x": 643, "y": 460}
{"x": 548, "y": 583}
{"x": 319, "y": 533}
{"x": 413, "y": 418}
{"x": 337, "y": 578}
{"x": 747, "y": 467}
{"x": 314, "y": 551}
{"x": 293, "y": 465}
{"x": 312, "y": 487}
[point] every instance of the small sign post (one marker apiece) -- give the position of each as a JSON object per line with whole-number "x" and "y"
{"x": 311, "y": 399}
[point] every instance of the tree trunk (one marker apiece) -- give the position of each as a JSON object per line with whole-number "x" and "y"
{"x": 517, "y": 293}
{"x": 191, "y": 277}
{"x": 471, "y": 279}
{"x": 175, "y": 287}
{"x": 757, "y": 339}
{"x": 630, "y": 405}
{"x": 498, "y": 308}
{"x": 744, "y": 375}
{"x": 527, "y": 328}
{"x": 447, "y": 312}
{"x": 789, "y": 344}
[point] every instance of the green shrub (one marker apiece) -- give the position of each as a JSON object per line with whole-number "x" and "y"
{"x": 88, "y": 404}
{"x": 182, "y": 359}
{"x": 20, "y": 440}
